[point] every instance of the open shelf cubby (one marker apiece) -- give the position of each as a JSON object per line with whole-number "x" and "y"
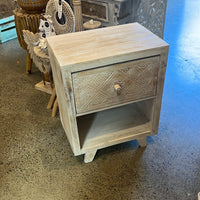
{"x": 115, "y": 125}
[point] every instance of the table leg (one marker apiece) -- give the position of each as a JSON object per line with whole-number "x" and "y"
{"x": 142, "y": 141}
{"x": 28, "y": 63}
{"x": 89, "y": 156}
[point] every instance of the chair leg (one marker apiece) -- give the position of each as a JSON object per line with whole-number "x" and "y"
{"x": 55, "y": 107}
{"x": 28, "y": 63}
{"x": 52, "y": 98}
{"x": 53, "y": 101}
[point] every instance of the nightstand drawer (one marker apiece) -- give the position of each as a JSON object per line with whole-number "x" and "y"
{"x": 113, "y": 85}
{"x": 95, "y": 10}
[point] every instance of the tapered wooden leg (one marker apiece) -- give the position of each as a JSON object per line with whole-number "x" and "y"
{"x": 89, "y": 156}
{"x": 142, "y": 141}
{"x": 52, "y": 98}
{"x": 55, "y": 107}
{"x": 46, "y": 77}
{"x": 28, "y": 63}
{"x": 43, "y": 78}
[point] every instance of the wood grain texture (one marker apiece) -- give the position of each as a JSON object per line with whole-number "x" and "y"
{"x": 160, "y": 86}
{"x": 55, "y": 107}
{"x": 44, "y": 87}
{"x": 88, "y": 66}
{"x": 65, "y": 103}
{"x": 112, "y": 126}
{"x": 94, "y": 48}
{"x": 95, "y": 10}
{"x": 52, "y": 99}
{"x": 110, "y": 12}
{"x": 28, "y": 63}
{"x": 89, "y": 156}
{"x": 94, "y": 89}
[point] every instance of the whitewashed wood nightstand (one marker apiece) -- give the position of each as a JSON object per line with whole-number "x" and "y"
{"x": 109, "y": 85}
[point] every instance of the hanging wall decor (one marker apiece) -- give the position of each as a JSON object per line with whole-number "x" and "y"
{"x": 62, "y": 16}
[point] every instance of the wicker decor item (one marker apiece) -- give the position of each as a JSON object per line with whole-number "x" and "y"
{"x": 68, "y": 20}
{"x": 40, "y": 58}
{"x": 92, "y": 24}
{"x": 25, "y": 21}
{"x": 32, "y": 5}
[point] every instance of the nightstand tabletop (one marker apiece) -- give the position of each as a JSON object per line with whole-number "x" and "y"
{"x": 103, "y": 46}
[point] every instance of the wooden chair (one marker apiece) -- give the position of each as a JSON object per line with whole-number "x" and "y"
{"x": 53, "y": 102}
{"x": 74, "y": 22}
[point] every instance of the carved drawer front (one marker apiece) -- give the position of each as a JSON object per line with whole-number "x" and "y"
{"x": 113, "y": 85}
{"x": 95, "y": 10}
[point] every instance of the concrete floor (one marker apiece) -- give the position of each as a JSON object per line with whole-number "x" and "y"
{"x": 36, "y": 162}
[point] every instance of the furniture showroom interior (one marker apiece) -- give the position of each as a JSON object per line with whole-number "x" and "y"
{"x": 99, "y": 100}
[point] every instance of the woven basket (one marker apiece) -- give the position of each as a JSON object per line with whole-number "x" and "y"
{"x": 32, "y": 5}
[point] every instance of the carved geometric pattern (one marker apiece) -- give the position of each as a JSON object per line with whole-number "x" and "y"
{"x": 94, "y": 89}
{"x": 116, "y": 13}
{"x": 151, "y": 14}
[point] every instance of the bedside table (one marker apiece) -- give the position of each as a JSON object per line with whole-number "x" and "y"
{"x": 109, "y": 85}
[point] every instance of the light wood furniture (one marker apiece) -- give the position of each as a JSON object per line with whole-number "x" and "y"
{"x": 109, "y": 85}
{"x": 44, "y": 86}
{"x": 53, "y": 103}
{"x": 108, "y": 12}
{"x": 151, "y": 14}
{"x": 40, "y": 57}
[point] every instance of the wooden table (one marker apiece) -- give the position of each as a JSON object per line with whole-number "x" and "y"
{"x": 109, "y": 85}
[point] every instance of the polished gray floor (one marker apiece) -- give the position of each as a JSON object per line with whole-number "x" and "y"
{"x": 36, "y": 161}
